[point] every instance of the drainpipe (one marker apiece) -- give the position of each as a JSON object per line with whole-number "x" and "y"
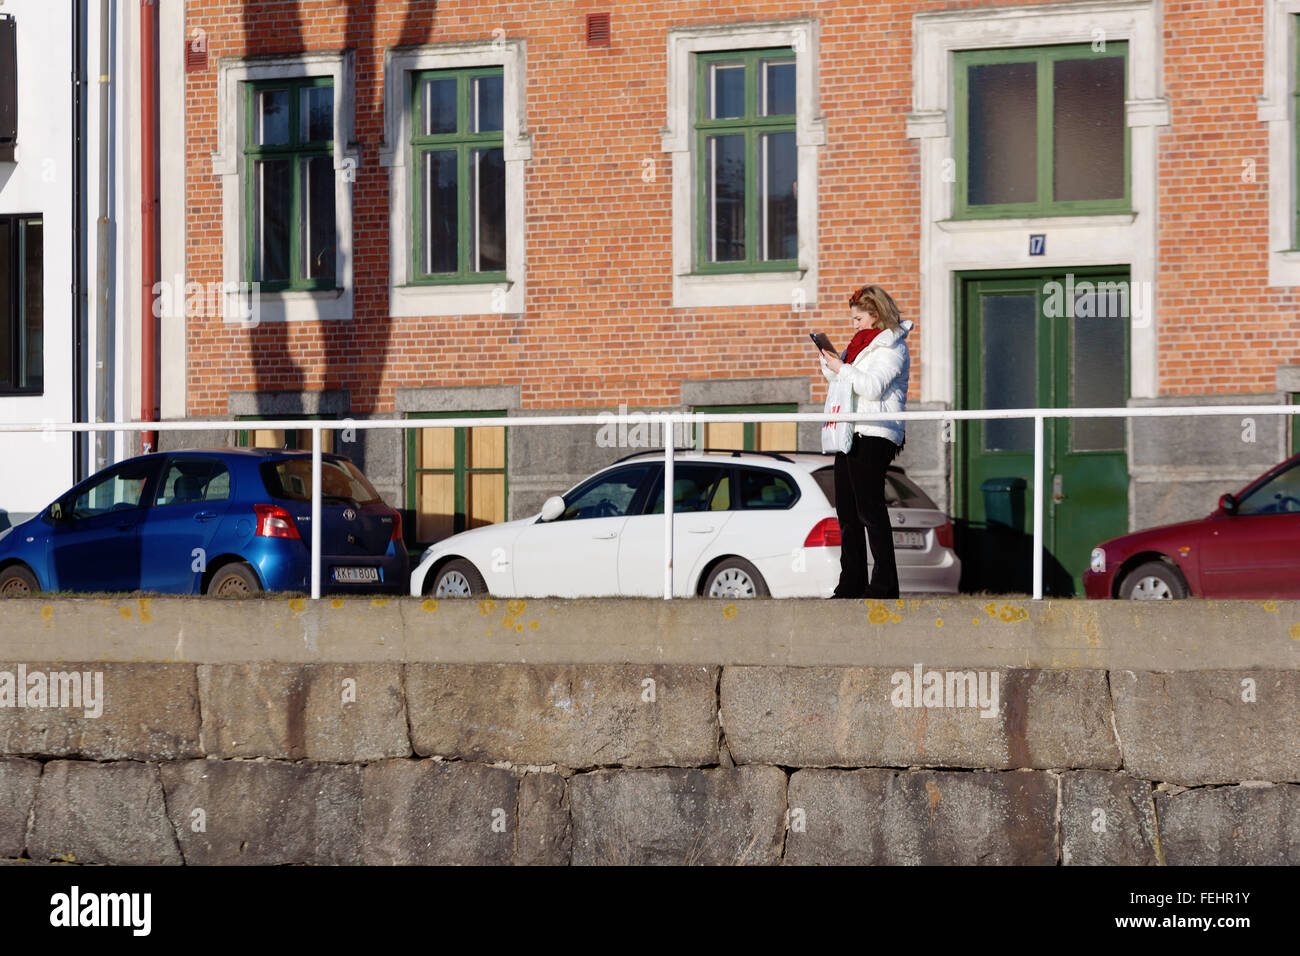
{"x": 149, "y": 232}
{"x": 103, "y": 344}
{"x": 78, "y": 236}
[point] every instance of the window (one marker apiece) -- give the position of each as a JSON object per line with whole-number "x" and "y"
{"x": 695, "y": 488}
{"x": 119, "y": 490}
{"x": 456, "y": 477}
{"x": 744, "y": 131}
{"x": 287, "y": 160}
{"x": 291, "y": 479}
{"x": 294, "y": 439}
{"x": 289, "y": 174}
{"x": 1041, "y": 131}
{"x": 760, "y": 489}
{"x": 22, "y": 309}
{"x": 748, "y": 436}
{"x": 455, "y": 146}
{"x": 747, "y": 163}
{"x": 194, "y": 480}
{"x": 613, "y": 495}
{"x": 1278, "y": 495}
{"x": 459, "y": 194}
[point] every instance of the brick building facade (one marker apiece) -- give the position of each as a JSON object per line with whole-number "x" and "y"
{"x": 590, "y": 242}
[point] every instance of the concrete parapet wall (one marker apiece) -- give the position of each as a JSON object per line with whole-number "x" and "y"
{"x": 908, "y": 755}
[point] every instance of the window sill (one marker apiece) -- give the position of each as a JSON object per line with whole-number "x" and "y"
{"x": 321, "y": 305}
{"x": 468, "y": 298}
{"x": 1038, "y": 222}
{"x": 794, "y": 288}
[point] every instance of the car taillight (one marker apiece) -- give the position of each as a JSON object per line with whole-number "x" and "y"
{"x": 943, "y": 535}
{"x": 825, "y": 534}
{"x": 274, "y": 522}
{"x": 397, "y": 527}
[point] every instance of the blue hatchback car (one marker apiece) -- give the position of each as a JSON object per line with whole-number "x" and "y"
{"x": 226, "y": 522}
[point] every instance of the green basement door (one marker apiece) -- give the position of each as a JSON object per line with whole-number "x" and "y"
{"x": 1021, "y": 345}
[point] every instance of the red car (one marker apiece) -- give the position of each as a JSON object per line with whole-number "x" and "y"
{"x": 1248, "y": 548}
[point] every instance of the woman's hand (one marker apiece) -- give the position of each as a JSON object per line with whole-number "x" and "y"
{"x": 832, "y": 361}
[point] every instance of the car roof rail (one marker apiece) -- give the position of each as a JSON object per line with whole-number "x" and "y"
{"x": 653, "y": 451}
{"x": 737, "y": 452}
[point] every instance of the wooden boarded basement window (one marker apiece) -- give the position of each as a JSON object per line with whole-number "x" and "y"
{"x": 456, "y": 477}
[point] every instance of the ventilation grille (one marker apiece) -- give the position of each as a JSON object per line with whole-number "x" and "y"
{"x": 598, "y": 29}
{"x": 196, "y": 52}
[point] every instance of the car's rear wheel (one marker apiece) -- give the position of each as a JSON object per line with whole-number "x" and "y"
{"x": 456, "y": 579}
{"x": 735, "y": 578}
{"x": 17, "y": 581}
{"x": 234, "y": 580}
{"x": 1153, "y": 581}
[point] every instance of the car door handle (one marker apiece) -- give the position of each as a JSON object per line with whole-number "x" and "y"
{"x": 707, "y": 529}
{"x": 125, "y": 525}
{"x": 605, "y": 537}
{"x": 205, "y": 515}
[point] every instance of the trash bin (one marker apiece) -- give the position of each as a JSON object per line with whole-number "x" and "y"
{"x": 1004, "y": 503}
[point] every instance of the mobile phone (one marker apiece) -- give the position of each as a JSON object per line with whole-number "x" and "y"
{"x": 822, "y": 342}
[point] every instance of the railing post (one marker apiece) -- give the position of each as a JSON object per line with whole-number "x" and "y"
{"x": 315, "y": 511}
{"x": 670, "y": 429}
{"x": 1038, "y": 507}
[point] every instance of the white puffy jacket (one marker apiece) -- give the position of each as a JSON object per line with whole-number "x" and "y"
{"x": 879, "y": 377}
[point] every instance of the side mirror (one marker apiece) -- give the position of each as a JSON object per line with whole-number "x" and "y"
{"x": 1228, "y": 504}
{"x": 552, "y": 508}
{"x": 56, "y": 511}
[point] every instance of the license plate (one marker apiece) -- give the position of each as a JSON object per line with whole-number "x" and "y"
{"x": 909, "y": 539}
{"x": 355, "y": 575}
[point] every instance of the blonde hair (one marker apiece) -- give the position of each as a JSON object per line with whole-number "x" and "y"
{"x": 875, "y": 301}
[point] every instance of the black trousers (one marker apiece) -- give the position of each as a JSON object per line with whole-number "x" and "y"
{"x": 860, "y": 506}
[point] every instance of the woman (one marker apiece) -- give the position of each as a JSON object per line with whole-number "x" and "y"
{"x": 876, "y": 362}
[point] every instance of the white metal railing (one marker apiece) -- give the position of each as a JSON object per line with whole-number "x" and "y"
{"x": 668, "y": 422}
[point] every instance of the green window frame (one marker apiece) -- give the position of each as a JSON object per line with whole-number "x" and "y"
{"x": 754, "y": 127}
{"x": 466, "y": 143}
{"x": 751, "y": 428}
{"x": 292, "y": 438}
{"x": 297, "y": 150}
{"x": 1295, "y": 425}
{"x": 1043, "y": 205}
{"x": 460, "y": 470}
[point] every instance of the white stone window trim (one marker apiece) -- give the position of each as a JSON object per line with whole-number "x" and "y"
{"x": 1277, "y": 110}
{"x": 228, "y": 163}
{"x": 947, "y": 247}
{"x": 796, "y": 288}
{"x": 469, "y": 298}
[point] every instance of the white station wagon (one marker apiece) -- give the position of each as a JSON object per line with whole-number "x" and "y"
{"x": 745, "y": 524}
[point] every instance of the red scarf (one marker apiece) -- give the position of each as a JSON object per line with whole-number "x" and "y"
{"x": 860, "y": 342}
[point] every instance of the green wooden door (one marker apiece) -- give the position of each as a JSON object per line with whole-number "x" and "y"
{"x": 1046, "y": 341}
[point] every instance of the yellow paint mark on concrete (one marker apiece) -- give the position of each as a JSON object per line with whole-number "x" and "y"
{"x": 516, "y": 608}
{"x": 1012, "y": 614}
{"x": 429, "y": 604}
{"x": 939, "y": 623}
{"x": 1270, "y": 605}
{"x": 47, "y": 612}
{"x": 297, "y": 605}
{"x": 975, "y": 621}
{"x": 125, "y": 612}
{"x": 519, "y": 626}
{"x": 878, "y": 614}
{"x": 336, "y": 603}
{"x": 487, "y": 607}
{"x": 899, "y": 602}
{"x": 895, "y": 618}
{"x": 729, "y": 611}
{"x": 507, "y": 621}
{"x": 991, "y": 609}
{"x": 1295, "y": 632}
{"x": 145, "y": 614}
{"x": 379, "y": 601}
{"x": 534, "y": 624}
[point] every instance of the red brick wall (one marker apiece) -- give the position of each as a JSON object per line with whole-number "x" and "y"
{"x": 599, "y": 327}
